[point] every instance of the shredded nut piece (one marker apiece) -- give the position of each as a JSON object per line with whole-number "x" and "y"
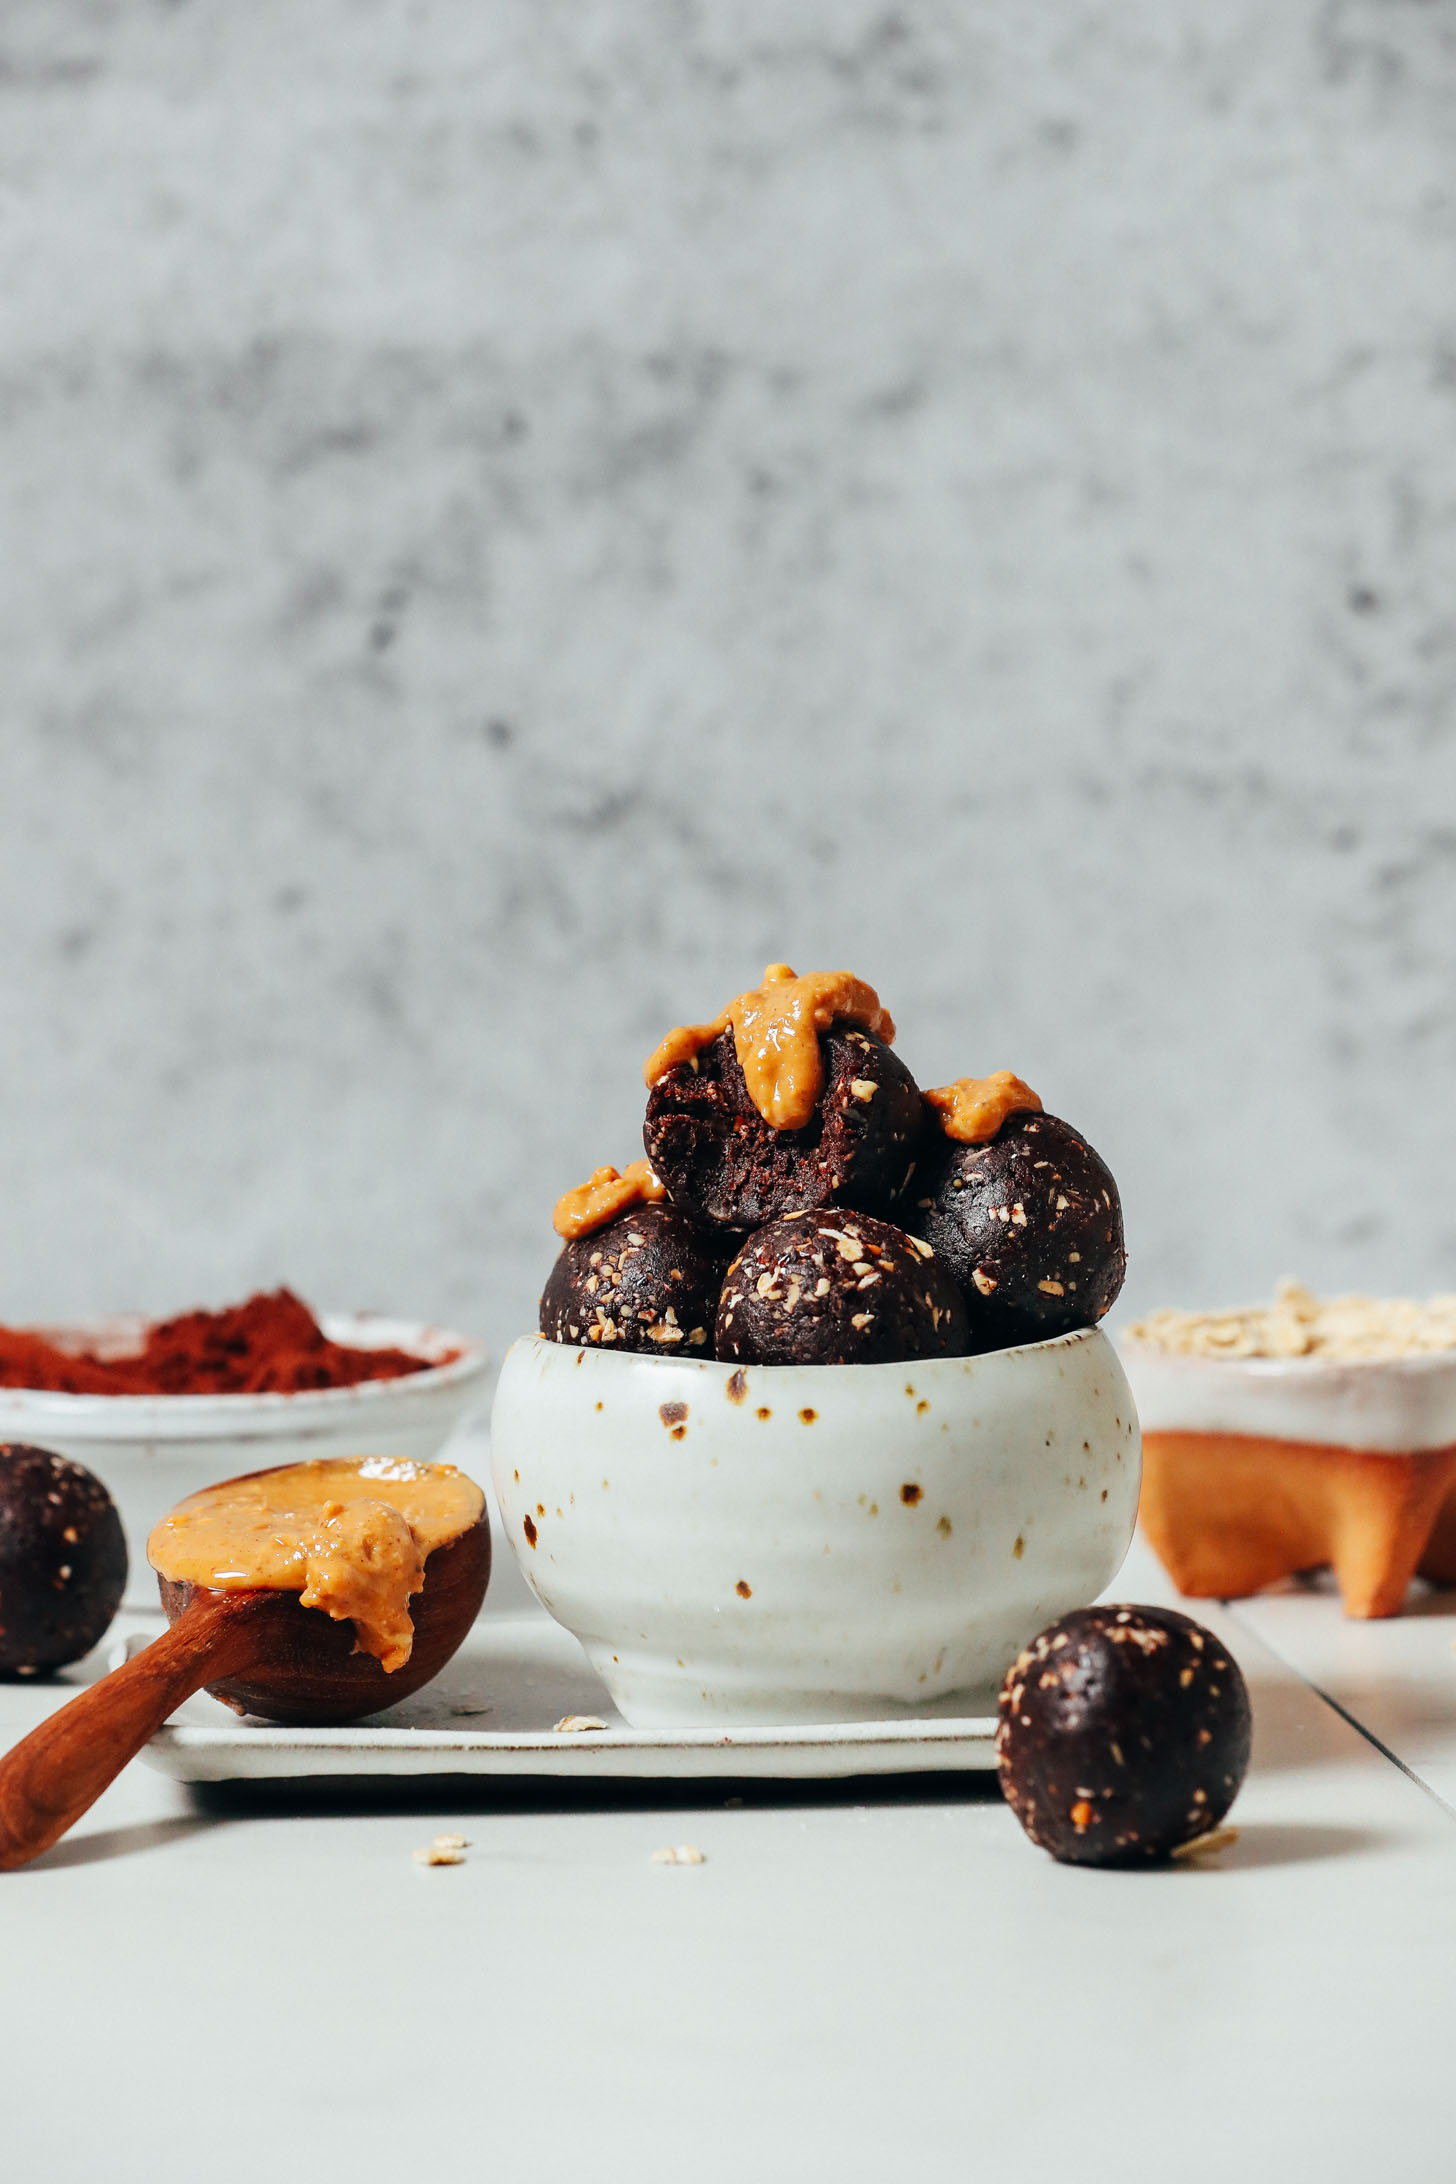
{"x": 679, "y": 1854}
{"x": 1300, "y": 1325}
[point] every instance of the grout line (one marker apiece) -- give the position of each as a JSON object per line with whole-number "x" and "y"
{"x": 1259, "y": 1638}
{"x": 1371, "y": 1738}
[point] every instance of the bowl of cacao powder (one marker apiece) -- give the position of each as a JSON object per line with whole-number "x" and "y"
{"x": 158, "y": 1409}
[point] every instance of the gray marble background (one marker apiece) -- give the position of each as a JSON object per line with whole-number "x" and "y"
{"x": 515, "y": 515}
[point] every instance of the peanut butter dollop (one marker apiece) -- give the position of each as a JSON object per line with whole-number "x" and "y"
{"x": 776, "y": 1031}
{"x": 974, "y": 1108}
{"x": 348, "y": 1534}
{"x": 592, "y": 1204}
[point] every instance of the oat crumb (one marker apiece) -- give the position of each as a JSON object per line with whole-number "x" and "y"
{"x": 444, "y": 1850}
{"x": 679, "y": 1854}
{"x": 1215, "y": 1840}
{"x": 569, "y": 1724}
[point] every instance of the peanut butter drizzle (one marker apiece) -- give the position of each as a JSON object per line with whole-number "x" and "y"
{"x": 974, "y": 1108}
{"x": 776, "y": 1032}
{"x": 349, "y": 1535}
{"x": 592, "y": 1204}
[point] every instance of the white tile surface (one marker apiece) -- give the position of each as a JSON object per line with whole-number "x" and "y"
{"x": 851, "y": 1987}
{"x": 1396, "y": 1677}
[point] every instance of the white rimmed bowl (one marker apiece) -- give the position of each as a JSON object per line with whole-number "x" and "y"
{"x": 150, "y": 1450}
{"x": 1391, "y": 1405}
{"x": 793, "y": 1543}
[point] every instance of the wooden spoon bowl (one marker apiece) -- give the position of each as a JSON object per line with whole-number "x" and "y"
{"x": 309, "y": 1672}
{"x": 260, "y": 1651}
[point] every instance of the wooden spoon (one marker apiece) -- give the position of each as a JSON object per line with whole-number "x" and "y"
{"x": 261, "y": 1652}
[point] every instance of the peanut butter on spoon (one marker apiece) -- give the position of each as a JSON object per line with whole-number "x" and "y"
{"x": 349, "y": 1535}
{"x": 241, "y": 1566}
{"x": 776, "y": 1031}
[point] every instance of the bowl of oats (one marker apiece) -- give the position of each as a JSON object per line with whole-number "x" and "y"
{"x": 1300, "y": 1435}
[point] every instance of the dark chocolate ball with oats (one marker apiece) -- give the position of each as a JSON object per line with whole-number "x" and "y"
{"x": 62, "y": 1560}
{"x": 646, "y": 1281}
{"x": 1029, "y": 1224}
{"x": 723, "y": 1165}
{"x": 1123, "y": 1734}
{"x": 837, "y": 1288}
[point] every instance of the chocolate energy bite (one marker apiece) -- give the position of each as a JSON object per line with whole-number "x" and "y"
{"x": 646, "y": 1281}
{"x": 62, "y": 1560}
{"x": 725, "y": 1165}
{"x": 1028, "y": 1223}
{"x": 1123, "y": 1734}
{"x": 835, "y": 1287}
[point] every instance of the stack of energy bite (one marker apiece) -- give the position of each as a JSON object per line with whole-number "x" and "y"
{"x": 802, "y": 1202}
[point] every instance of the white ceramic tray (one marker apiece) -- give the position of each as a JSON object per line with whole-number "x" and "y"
{"x": 493, "y": 1711}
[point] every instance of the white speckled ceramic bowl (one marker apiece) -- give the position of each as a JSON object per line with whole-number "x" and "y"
{"x": 150, "y": 1450}
{"x": 793, "y": 1543}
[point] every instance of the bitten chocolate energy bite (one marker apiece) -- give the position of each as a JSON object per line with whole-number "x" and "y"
{"x": 62, "y": 1560}
{"x": 791, "y": 1099}
{"x": 837, "y": 1288}
{"x": 646, "y": 1281}
{"x": 1123, "y": 1734}
{"x": 1029, "y": 1223}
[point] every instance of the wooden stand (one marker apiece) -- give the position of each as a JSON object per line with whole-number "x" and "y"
{"x": 1230, "y": 1513}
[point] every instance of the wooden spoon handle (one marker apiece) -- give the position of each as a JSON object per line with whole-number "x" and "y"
{"x": 54, "y": 1774}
